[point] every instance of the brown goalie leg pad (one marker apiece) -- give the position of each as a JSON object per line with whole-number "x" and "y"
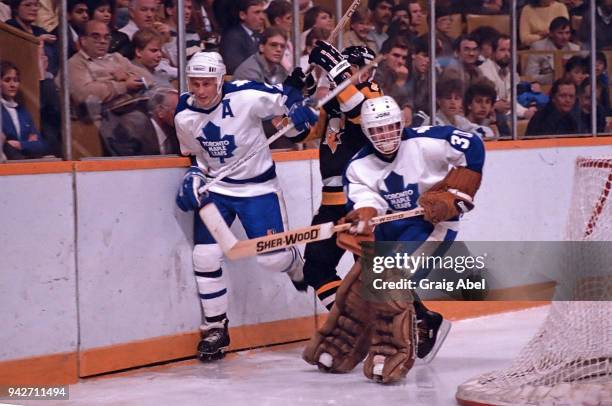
{"x": 393, "y": 350}
{"x": 343, "y": 340}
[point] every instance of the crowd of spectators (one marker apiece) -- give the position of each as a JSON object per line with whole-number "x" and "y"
{"x": 124, "y": 57}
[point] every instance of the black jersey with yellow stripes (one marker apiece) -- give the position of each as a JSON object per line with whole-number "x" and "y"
{"x": 341, "y": 138}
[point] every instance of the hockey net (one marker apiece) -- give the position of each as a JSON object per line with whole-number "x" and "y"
{"x": 569, "y": 360}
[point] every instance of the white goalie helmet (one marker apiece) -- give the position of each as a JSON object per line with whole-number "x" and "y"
{"x": 207, "y": 65}
{"x": 381, "y": 122}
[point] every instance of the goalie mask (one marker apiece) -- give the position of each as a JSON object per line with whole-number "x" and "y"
{"x": 381, "y": 122}
{"x": 360, "y": 56}
{"x": 207, "y": 65}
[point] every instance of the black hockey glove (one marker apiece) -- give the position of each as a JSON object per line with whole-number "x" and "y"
{"x": 298, "y": 80}
{"x": 331, "y": 61}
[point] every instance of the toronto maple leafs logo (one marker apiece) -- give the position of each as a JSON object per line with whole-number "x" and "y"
{"x": 217, "y": 146}
{"x": 398, "y": 195}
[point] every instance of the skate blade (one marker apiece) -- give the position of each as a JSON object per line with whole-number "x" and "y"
{"x": 208, "y": 357}
{"x": 442, "y": 333}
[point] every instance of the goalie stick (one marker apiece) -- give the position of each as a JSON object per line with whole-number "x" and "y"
{"x": 234, "y": 248}
{"x": 319, "y": 103}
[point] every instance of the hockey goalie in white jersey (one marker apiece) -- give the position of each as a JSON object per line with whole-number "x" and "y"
{"x": 436, "y": 168}
{"x": 218, "y": 123}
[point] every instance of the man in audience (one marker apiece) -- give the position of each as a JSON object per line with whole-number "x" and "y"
{"x": 400, "y": 23}
{"x": 465, "y": 64}
{"x": 241, "y": 41}
{"x": 161, "y": 107}
{"x": 417, "y": 17}
{"x": 280, "y": 15}
{"x": 265, "y": 66}
{"x": 77, "y": 17}
{"x": 582, "y": 110}
{"x": 497, "y": 70}
{"x": 110, "y": 88}
{"x": 603, "y": 25}
{"x": 420, "y": 76}
{"x": 380, "y": 15}
{"x": 393, "y": 75}
{"x": 142, "y": 15}
{"x": 358, "y": 34}
{"x": 540, "y": 67}
{"x": 192, "y": 39}
{"x": 556, "y": 117}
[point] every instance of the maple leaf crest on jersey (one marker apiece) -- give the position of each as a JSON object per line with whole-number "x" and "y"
{"x": 215, "y": 144}
{"x": 398, "y": 196}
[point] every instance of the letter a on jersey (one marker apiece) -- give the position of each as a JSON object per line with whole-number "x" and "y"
{"x": 400, "y": 197}
{"x": 217, "y": 146}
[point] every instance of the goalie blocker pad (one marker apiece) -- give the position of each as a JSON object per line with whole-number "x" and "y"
{"x": 452, "y": 196}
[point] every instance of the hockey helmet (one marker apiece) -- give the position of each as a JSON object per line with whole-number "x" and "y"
{"x": 207, "y": 65}
{"x": 381, "y": 122}
{"x": 360, "y": 56}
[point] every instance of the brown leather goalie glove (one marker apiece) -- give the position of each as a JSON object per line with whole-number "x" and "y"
{"x": 360, "y": 230}
{"x": 393, "y": 344}
{"x": 452, "y": 196}
{"x": 343, "y": 341}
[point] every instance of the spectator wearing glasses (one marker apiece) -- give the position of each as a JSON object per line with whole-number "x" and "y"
{"x": 104, "y": 11}
{"x": 280, "y": 15}
{"x": 465, "y": 64}
{"x": 265, "y": 66}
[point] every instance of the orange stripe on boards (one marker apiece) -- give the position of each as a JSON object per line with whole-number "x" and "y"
{"x": 465, "y": 310}
{"x": 53, "y": 369}
{"x": 304, "y": 155}
{"x": 31, "y": 168}
{"x": 143, "y": 352}
{"x": 130, "y": 164}
{"x": 548, "y": 143}
{"x": 136, "y": 353}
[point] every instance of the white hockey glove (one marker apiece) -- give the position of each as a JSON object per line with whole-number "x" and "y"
{"x": 189, "y": 197}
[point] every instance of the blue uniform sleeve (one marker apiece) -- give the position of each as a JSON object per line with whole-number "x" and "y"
{"x": 461, "y": 148}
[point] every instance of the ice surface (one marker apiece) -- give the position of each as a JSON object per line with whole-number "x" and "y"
{"x": 278, "y": 376}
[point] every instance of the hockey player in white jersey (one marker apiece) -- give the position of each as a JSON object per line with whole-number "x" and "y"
{"x": 218, "y": 123}
{"x": 436, "y": 168}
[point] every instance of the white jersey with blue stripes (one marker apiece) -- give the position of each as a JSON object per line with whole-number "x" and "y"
{"x": 424, "y": 158}
{"x": 219, "y": 136}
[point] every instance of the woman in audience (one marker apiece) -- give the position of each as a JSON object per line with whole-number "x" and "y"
{"x": 316, "y": 17}
{"x": 536, "y": 17}
{"x": 24, "y": 13}
{"x": 104, "y": 11}
{"x": 22, "y": 138}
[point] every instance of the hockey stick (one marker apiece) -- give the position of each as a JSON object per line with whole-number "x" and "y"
{"x": 234, "y": 248}
{"x": 319, "y": 103}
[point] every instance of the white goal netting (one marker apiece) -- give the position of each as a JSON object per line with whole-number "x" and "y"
{"x": 569, "y": 360}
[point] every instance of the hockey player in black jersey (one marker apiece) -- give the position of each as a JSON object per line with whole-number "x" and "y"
{"x": 341, "y": 138}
